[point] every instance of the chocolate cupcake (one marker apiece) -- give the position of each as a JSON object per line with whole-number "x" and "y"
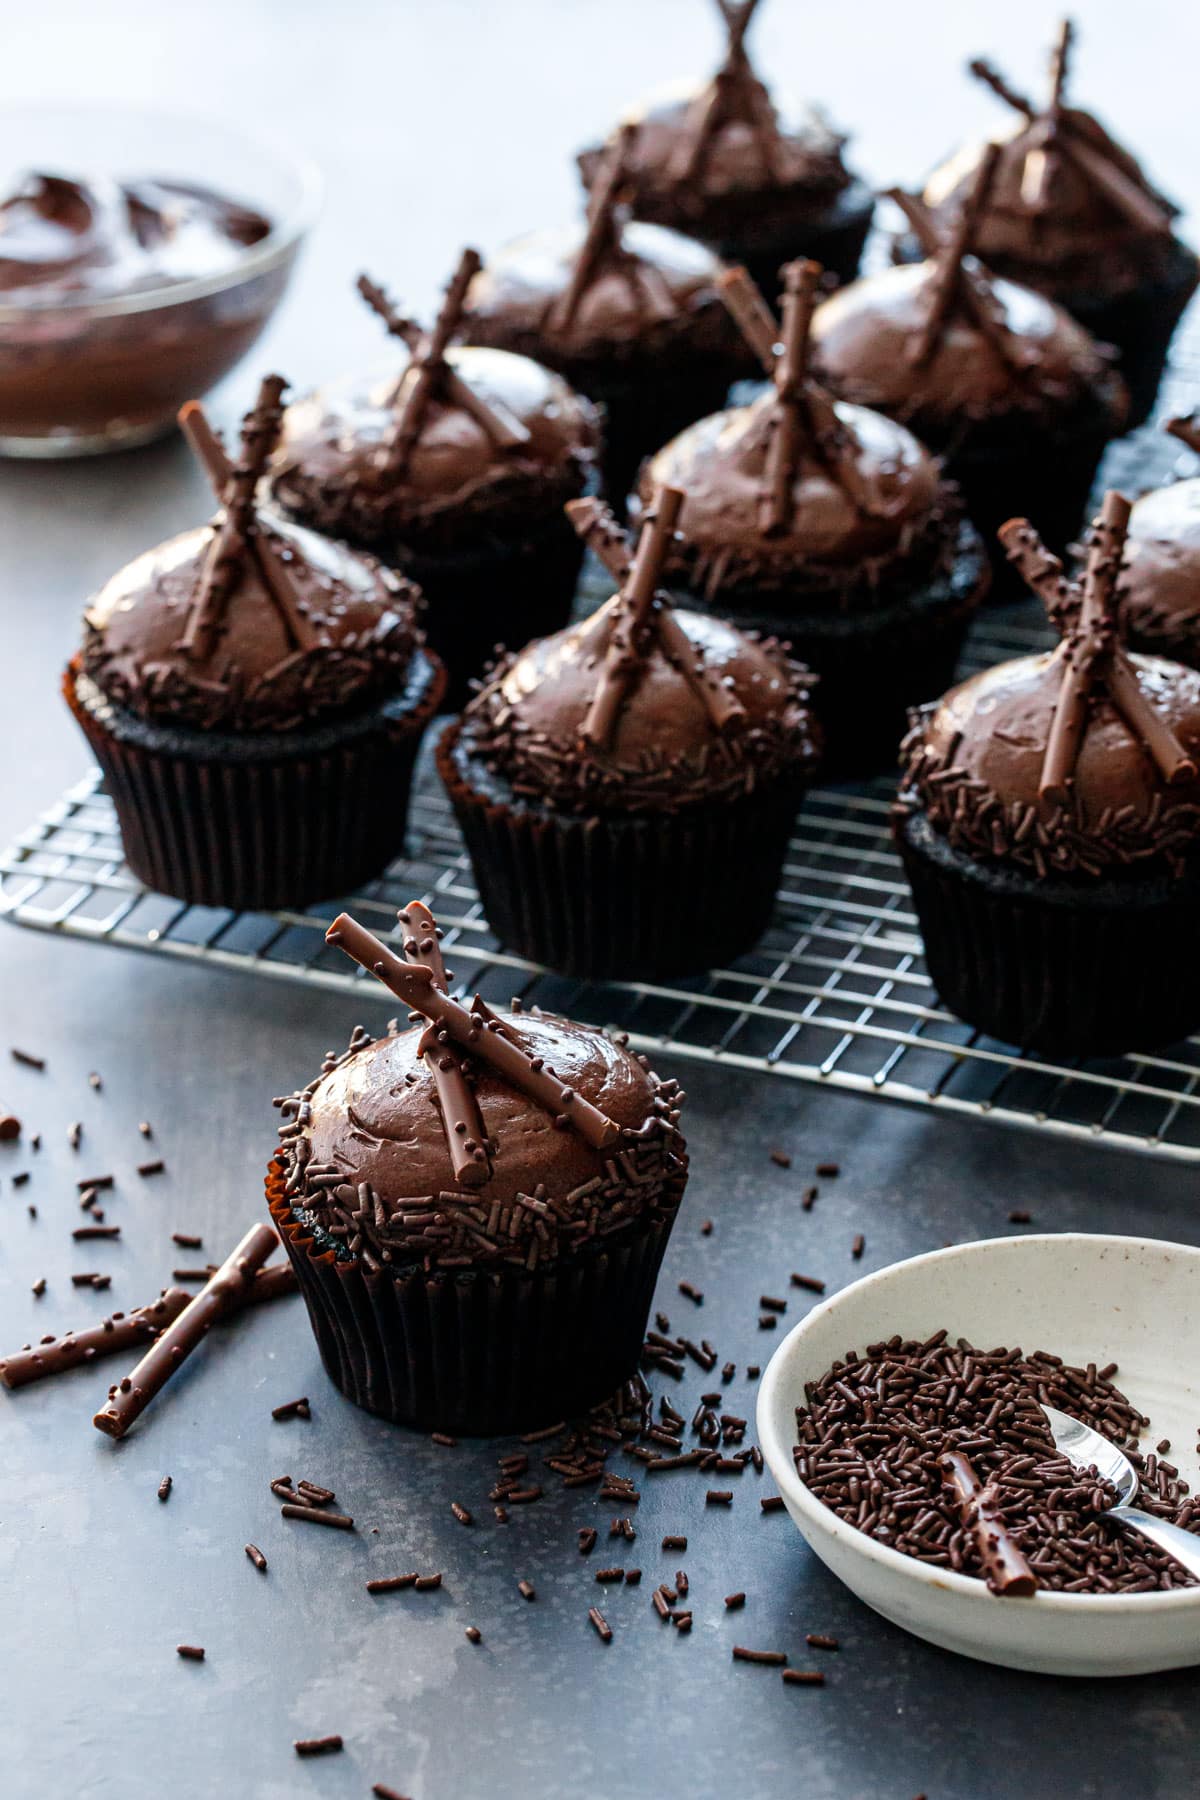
{"x": 826, "y": 525}
{"x": 476, "y": 1208}
{"x": 255, "y": 696}
{"x": 455, "y": 470}
{"x": 1005, "y": 386}
{"x": 628, "y": 313}
{"x": 1049, "y": 825}
{"x": 719, "y": 162}
{"x": 608, "y": 779}
{"x": 1159, "y": 592}
{"x": 1072, "y": 215}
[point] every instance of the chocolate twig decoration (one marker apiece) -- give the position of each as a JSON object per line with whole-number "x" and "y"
{"x": 1187, "y": 430}
{"x": 1091, "y": 654}
{"x": 1058, "y": 130}
{"x": 1004, "y": 1565}
{"x": 228, "y": 1284}
{"x": 126, "y": 1331}
{"x": 599, "y": 529}
{"x": 494, "y": 419}
{"x": 621, "y": 658}
{"x": 735, "y": 94}
{"x": 413, "y": 983}
{"x": 462, "y": 1122}
{"x": 949, "y": 258}
{"x": 751, "y": 314}
{"x": 277, "y": 577}
{"x": 424, "y": 374}
{"x": 788, "y": 374}
{"x": 602, "y": 246}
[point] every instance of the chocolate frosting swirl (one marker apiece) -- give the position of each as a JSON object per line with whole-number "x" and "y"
{"x": 366, "y": 1158}
{"x": 863, "y": 346}
{"x": 1159, "y": 588}
{"x": 973, "y": 763}
{"x": 805, "y": 161}
{"x": 1073, "y": 241}
{"x": 830, "y": 543}
{"x": 457, "y": 482}
{"x": 511, "y": 298}
{"x": 63, "y": 239}
{"x": 527, "y": 721}
{"x": 362, "y": 616}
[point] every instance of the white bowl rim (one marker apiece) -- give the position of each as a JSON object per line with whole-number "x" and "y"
{"x": 284, "y": 236}
{"x": 779, "y": 1455}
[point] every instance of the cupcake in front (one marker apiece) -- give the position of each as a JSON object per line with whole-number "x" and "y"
{"x": 476, "y": 1206}
{"x": 1049, "y": 825}
{"x": 627, "y": 787}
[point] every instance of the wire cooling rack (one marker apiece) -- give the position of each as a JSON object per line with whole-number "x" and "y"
{"x": 836, "y": 991}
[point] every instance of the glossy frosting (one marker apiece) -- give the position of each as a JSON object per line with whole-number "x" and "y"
{"x": 1160, "y": 586}
{"x": 1077, "y": 240}
{"x": 326, "y": 467}
{"x": 720, "y": 463}
{"x": 363, "y": 617}
{"x": 64, "y": 240}
{"x": 527, "y": 721}
{"x": 509, "y": 300}
{"x": 806, "y": 157}
{"x": 864, "y": 338}
{"x": 374, "y": 1118}
{"x": 974, "y": 763}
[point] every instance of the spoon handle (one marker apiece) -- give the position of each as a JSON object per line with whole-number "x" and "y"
{"x": 1184, "y": 1546}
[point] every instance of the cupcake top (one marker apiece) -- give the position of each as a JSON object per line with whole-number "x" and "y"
{"x": 451, "y": 443}
{"x": 1160, "y": 587}
{"x": 796, "y": 488}
{"x": 944, "y": 342}
{"x": 643, "y": 707}
{"x": 602, "y": 289}
{"x": 473, "y": 1138}
{"x": 701, "y": 145}
{"x": 248, "y": 623}
{"x": 1081, "y": 761}
{"x": 1070, "y": 212}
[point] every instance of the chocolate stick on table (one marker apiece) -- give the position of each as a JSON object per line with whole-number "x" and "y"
{"x": 502, "y": 426}
{"x": 466, "y": 1138}
{"x": 211, "y": 454}
{"x": 127, "y": 1331}
{"x": 129, "y": 1399}
{"x": 1004, "y": 1563}
{"x": 789, "y": 372}
{"x": 414, "y": 985}
{"x": 630, "y": 616}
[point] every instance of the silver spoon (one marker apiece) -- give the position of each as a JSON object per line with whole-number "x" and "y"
{"x": 1086, "y": 1448}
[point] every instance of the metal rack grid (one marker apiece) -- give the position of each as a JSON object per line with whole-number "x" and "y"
{"x": 835, "y": 992}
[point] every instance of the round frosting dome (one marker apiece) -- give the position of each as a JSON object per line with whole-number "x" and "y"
{"x": 511, "y": 296}
{"x": 864, "y": 340}
{"x": 974, "y": 762}
{"x": 1159, "y": 588}
{"x": 327, "y": 465}
{"x": 527, "y": 722}
{"x": 805, "y": 153}
{"x": 375, "y": 1119}
{"x": 251, "y": 677}
{"x": 721, "y": 464}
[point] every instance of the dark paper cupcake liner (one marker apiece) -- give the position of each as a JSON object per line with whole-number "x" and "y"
{"x": 503, "y": 592}
{"x": 873, "y": 665}
{"x": 1066, "y": 967}
{"x": 481, "y": 1351}
{"x": 835, "y": 238}
{"x": 1141, "y": 325}
{"x": 621, "y": 898}
{"x": 645, "y": 406}
{"x": 265, "y": 821}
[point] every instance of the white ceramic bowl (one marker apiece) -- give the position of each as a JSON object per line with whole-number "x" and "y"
{"x": 1082, "y": 1297}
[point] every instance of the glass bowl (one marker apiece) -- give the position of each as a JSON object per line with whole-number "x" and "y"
{"x": 82, "y": 375}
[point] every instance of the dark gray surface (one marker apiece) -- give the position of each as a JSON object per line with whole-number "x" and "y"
{"x": 100, "y": 1581}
